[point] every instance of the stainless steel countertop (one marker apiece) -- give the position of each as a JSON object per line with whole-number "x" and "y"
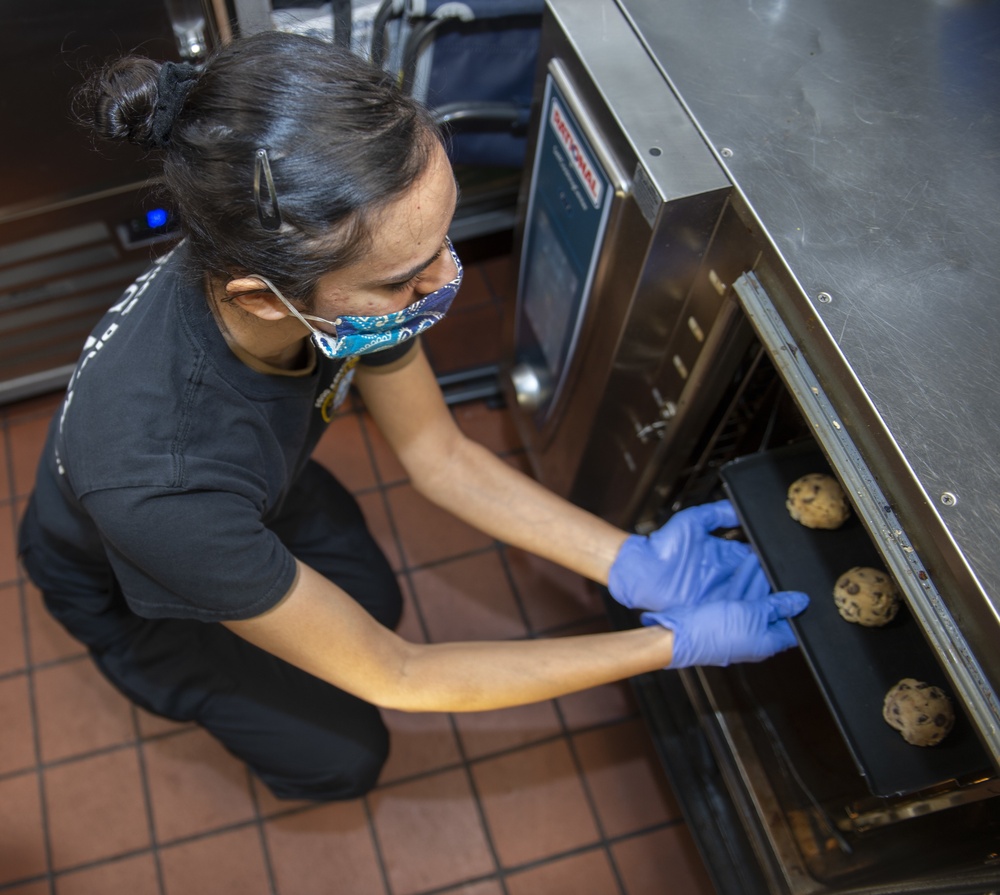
{"x": 865, "y": 136}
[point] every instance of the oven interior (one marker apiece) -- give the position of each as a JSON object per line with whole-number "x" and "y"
{"x": 809, "y": 817}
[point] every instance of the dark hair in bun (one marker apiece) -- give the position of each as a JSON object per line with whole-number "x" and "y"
{"x": 342, "y": 142}
{"x": 117, "y": 101}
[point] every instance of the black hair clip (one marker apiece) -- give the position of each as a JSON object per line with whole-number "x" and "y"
{"x": 267, "y": 205}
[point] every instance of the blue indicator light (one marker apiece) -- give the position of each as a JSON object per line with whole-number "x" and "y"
{"x": 156, "y": 218}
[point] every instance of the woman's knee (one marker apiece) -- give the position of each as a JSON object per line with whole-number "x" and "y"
{"x": 339, "y": 774}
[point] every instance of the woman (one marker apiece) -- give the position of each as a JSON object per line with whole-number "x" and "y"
{"x": 178, "y": 527}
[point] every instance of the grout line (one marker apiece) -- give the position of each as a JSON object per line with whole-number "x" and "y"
{"x": 501, "y": 875}
{"x": 376, "y": 844}
{"x": 60, "y": 762}
{"x": 362, "y": 415}
{"x": 36, "y": 738}
{"x": 123, "y": 856}
{"x": 260, "y": 820}
{"x": 466, "y": 763}
{"x": 588, "y": 795}
{"x": 462, "y": 886}
{"x": 147, "y": 798}
{"x": 480, "y": 810}
{"x": 516, "y": 591}
{"x": 409, "y": 778}
{"x": 405, "y": 573}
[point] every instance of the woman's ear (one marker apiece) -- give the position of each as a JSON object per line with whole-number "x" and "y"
{"x": 253, "y": 296}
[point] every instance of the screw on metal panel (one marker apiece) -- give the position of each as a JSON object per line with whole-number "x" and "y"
{"x": 716, "y": 282}
{"x": 696, "y": 329}
{"x": 656, "y": 428}
{"x": 949, "y": 499}
{"x": 824, "y": 297}
{"x": 726, "y": 152}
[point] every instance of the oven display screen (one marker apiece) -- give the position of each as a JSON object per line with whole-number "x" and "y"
{"x": 551, "y": 279}
{"x": 568, "y": 206}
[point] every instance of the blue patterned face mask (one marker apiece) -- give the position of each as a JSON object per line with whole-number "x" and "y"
{"x": 363, "y": 335}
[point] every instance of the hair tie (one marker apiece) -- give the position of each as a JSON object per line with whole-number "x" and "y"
{"x": 175, "y": 82}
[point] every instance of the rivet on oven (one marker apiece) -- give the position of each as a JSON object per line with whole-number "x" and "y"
{"x": 696, "y": 329}
{"x": 716, "y": 282}
{"x": 726, "y": 152}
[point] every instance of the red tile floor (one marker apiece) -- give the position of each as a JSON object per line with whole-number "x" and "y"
{"x": 566, "y": 796}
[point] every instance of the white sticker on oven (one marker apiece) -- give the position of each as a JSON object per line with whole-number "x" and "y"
{"x": 579, "y": 160}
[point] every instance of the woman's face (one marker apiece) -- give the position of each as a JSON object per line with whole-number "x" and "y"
{"x": 407, "y": 258}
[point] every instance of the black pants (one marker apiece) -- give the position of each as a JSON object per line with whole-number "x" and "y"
{"x": 304, "y": 738}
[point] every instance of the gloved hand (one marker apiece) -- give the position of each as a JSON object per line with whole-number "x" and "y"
{"x": 721, "y": 632}
{"x": 680, "y": 564}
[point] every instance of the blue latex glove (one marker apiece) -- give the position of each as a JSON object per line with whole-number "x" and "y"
{"x": 680, "y": 564}
{"x": 721, "y": 632}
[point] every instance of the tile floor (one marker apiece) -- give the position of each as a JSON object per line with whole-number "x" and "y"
{"x": 567, "y": 796}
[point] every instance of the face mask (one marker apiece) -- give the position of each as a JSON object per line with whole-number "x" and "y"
{"x": 362, "y": 335}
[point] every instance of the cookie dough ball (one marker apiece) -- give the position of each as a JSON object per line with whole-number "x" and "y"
{"x": 921, "y": 712}
{"x": 817, "y": 501}
{"x": 866, "y": 596}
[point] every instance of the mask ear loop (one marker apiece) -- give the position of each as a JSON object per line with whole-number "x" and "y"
{"x": 294, "y": 310}
{"x": 269, "y": 217}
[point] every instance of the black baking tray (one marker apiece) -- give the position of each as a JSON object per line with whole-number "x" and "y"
{"x": 853, "y": 665}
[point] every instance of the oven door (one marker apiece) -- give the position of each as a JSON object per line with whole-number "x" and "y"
{"x": 609, "y": 240}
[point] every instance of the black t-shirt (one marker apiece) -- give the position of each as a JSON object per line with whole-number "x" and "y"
{"x": 168, "y": 459}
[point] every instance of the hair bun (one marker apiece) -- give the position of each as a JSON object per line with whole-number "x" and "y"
{"x": 136, "y": 99}
{"x": 119, "y": 101}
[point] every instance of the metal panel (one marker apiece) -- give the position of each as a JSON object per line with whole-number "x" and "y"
{"x": 862, "y": 136}
{"x": 59, "y": 272}
{"x": 657, "y": 232}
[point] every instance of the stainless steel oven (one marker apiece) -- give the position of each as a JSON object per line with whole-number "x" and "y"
{"x": 757, "y": 240}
